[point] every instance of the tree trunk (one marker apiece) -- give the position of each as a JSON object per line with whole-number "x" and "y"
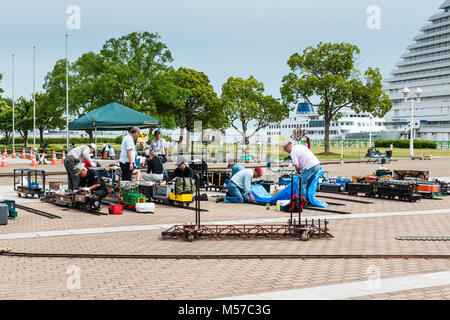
{"x": 180, "y": 141}
{"x": 327, "y": 131}
{"x": 41, "y": 137}
{"x": 91, "y": 136}
{"x": 187, "y": 149}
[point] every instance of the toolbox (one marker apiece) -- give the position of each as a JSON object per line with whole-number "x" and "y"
{"x": 4, "y": 213}
{"x": 115, "y": 209}
{"x": 181, "y": 197}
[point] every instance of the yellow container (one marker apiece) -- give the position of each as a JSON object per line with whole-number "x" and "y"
{"x": 181, "y": 197}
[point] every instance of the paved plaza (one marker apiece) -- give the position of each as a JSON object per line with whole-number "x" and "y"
{"x": 370, "y": 229}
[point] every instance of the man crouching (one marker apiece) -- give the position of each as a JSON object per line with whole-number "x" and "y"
{"x": 92, "y": 182}
{"x": 239, "y": 188}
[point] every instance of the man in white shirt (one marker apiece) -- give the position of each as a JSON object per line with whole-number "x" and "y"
{"x": 128, "y": 154}
{"x": 305, "y": 162}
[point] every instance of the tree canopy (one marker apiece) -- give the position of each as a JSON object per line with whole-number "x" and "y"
{"x": 244, "y": 103}
{"x": 327, "y": 72}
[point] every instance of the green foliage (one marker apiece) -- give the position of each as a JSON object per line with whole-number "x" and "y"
{"x": 404, "y": 144}
{"x": 126, "y": 71}
{"x": 244, "y": 102}
{"x": 328, "y": 72}
{"x": 5, "y": 119}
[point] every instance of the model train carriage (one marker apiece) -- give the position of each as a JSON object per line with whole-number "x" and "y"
{"x": 166, "y": 194}
{"x": 428, "y": 189}
{"x": 368, "y": 189}
{"x": 80, "y": 200}
{"x": 402, "y": 190}
{"x": 131, "y": 197}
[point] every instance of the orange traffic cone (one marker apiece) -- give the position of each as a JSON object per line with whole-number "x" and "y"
{"x": 63, "y": 157}
{"x": 33, "y": 161}
{"x": 24, "y": 156}
{"x": 31, "y": 155}
{"x": 54, "y": 161}
{"x": 14, "y": 154}
{"x": 5, "y": 153}
{"x": 4, "y": 165}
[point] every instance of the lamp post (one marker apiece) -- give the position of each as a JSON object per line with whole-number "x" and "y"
{"x": 370, "y": 132}
{"x": 34, "y": 97}
{"x": 13, "y": 107}
{"x": 418, "y": 93}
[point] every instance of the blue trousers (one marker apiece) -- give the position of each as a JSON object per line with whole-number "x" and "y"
{"x": 236, "y": 195}
{"x": 307, "y": 177}
{"x": 165, "y": 173}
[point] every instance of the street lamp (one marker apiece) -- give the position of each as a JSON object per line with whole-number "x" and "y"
{"x": 418, "y": 93}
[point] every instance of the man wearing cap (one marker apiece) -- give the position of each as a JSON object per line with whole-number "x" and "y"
{"x": 90, "y": 178}
{"x": 182, "y": 170}
{"x": 239, "y": 188}
{"x": 128, "y": 153}
{"x": 305, "y": 162}
{"x": 160, "y": 147}
{"x": 74, "y": 157}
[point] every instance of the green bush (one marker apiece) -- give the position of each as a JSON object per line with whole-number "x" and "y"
{"x": 404, "y": 144}
{"x": 61, "y": 140}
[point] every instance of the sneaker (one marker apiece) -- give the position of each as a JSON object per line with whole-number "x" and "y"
{"x": 220, "y": 199}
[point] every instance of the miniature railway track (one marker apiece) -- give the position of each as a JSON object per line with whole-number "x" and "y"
{"x": 38, "y": 212}
{"x": 8, "y": 253}
{"x": 326, "y": 210}
{"x": 344, "y": 199}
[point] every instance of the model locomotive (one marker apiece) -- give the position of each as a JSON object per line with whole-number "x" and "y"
{"x": 389, "y": 189}
{"x": 82, "y": 200}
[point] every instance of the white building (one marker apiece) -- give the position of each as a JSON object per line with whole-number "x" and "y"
{"x": 426, "y": 65}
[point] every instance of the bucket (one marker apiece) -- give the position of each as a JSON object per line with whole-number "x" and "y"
{"x": 115, "y": 209}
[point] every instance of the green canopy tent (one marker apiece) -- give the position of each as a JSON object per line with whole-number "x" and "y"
{"x": 113, "y": 117}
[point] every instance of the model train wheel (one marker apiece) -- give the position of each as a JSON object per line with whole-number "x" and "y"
{"x": 19, "y": 195}
{"x": 305, "y": 236}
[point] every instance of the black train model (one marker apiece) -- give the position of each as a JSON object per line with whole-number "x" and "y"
{"x": 393, "y": 189}
{"x": 79, "y": 200}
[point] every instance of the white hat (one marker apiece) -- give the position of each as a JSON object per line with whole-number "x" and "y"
{"x": 78, "y": 168}
{"x": 93, "y": 146}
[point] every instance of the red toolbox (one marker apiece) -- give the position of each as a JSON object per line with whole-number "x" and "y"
{"x": 115, "y": 209}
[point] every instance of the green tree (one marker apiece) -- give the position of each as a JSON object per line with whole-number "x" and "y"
{"x": 24, "y": 117}
{"x": 6, "y": 120}
{"x": 127, "y": 70}
{"x": 193, "y": 99}
{"x": 244, "y": 102}
{"x": 1, "y": 90}
{"x": 48, "y": 115}
{"x": 327, "y": 73}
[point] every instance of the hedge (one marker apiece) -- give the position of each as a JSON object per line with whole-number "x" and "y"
{"x": 61, "y": 140}
{"x": 404, "y": 144}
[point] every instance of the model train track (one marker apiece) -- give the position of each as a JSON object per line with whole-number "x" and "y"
{"x": 38, "y": 212}
{"x": 326, "y": 210}
{"x": 344, "y": 199}
{"x": 8, "y": 253}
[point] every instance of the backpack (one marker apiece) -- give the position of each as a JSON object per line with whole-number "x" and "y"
{"x": 184, "y": 185}
{"x": 294, "y": 205}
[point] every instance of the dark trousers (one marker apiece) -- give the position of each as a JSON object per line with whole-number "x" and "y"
{"x": 101, "y": 193}
{"x": 73, "y": 179}
{"x": 126, "y": 172}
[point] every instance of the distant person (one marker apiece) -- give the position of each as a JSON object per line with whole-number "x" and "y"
{"x": 77, "y": 156}
{"x": 128, "y": 154}
{"x": 305, "y": 162}
{"x": 182, "y": 170}
{"x": 141, "y": 143}
{"x": 239, "y": 188}
{"x": 160, "y": 147}
{"x": 308, "y": 143}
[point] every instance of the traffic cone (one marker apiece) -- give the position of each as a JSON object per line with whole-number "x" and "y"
{"x": 33, "y": 161}
{"x": 14, "y": 154}
{"x": 63, "y": 157}
{"x": 5, "y": 153}
{"x": 54, "y": 161}
{"x": 31, "y": 155}
{"x": 4, "y": 165}
{"x": 24, "y": 155}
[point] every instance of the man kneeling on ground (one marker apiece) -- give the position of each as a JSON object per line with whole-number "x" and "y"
{"x": 239, "y": 188}
{"x": 89, "y": 178}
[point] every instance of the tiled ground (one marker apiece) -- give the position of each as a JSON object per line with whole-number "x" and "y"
{"x": 42, "y": 278}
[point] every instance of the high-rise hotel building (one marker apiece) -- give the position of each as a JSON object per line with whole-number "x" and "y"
{"x": 426, "y": 65}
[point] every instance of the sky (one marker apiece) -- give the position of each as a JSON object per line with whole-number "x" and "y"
{"x": 222, "y": 38}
